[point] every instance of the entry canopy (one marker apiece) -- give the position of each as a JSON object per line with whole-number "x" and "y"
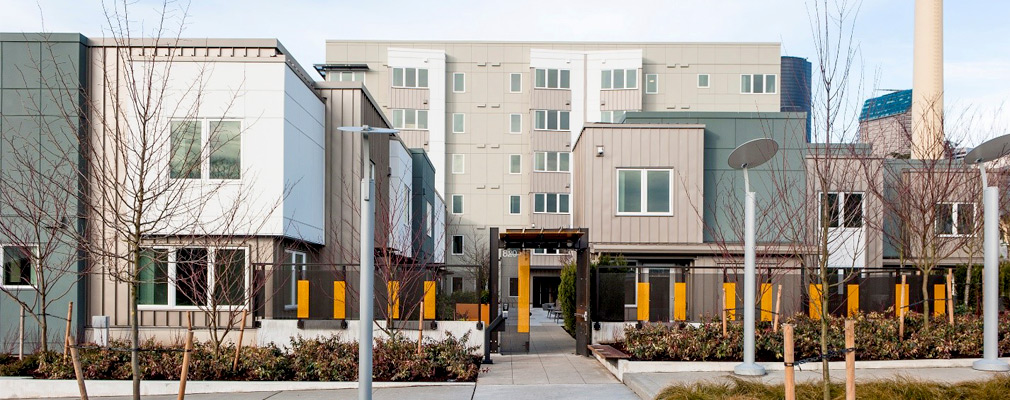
{"x": 753, "y": 153}
{"x": 542, "y": 239}
{"x": 367, "y": 129}
{"x": 991, "y": 150}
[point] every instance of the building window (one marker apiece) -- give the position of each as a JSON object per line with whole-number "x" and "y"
{"x": 410, "y": 119}
{"x": 552, "y": 161}
{"x": 515, "y": 82}
{"x": 410, "y": 77}
{"x": 515, "y": 204}
{"x": 844, "y": 210}
{"x": 552, "y": 78}
{"x": 757, "y": 83}
{"x": 551, "y": 120}
{"x": 458, "y": 122}
{"x": 513, "y": 287}
{"x": 651, "y": 83}
{"x": 458, "y": 163}
{"x": 458, "y": 82}
{"x": 551, "y": 203}
{"x": 955, "y": 219}
{"x": 702, "y": 80}
{"x": 19, "y": 266}
{"x": 457, "y": 204}
{"x": 193, "y": 276}
{"x": 296, "y": 266}
{"x": 427, "y": 218}
{"x": 619, "y": 79}
{"x": 346, "y": 76}
{"x": 457, "y": 245}
{"x": 552, "y": 252}
{"x": 515, "y": 163}
{"x": 515, "y": 123}
{"x": 644, "y": 191}
{"x": 612, "y": 116}
{"x": 222, "y": 149}
{"x": 457, "y": 284}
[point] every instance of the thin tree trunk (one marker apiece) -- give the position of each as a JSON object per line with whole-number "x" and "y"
{"x": 925, "y": 300}
{"x": 967, "y": 283}
{"x": 135, "y": 325}
{"x": 825, "y": 374}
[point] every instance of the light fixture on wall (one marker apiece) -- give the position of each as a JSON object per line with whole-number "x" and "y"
{"x": 599, "y": 151}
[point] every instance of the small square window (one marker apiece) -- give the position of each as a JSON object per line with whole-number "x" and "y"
{"x": 515, "y": 204}
{"x": 18, "y": 266}
{"x": 458, "y": 163}
{"x": 457, "y": 245}
{"x": 458, "y": 82}
{"x": 457, "y": 204}
{"x": 651, "y": 83}
{"x": 515, "y": 83}
{"x": 515, "y": 163}
{"x": 513, "y": 287}
{"x": 515, "y": 123}
{"x": 458, "y": 122}
{"x": 703, "y": 80}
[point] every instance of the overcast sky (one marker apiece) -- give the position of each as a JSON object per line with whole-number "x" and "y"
{"x": 977, "y": 49}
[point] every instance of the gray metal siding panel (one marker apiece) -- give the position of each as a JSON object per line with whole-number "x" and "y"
{"x": 628, "y": 99}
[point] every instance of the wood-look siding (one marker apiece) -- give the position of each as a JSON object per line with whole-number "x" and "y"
{"x": 550, "y": 182}
{"x": 551, "y": 99}
{"x": 627, "y": 100}
{"x": 415, "y": 139}
{"x": 414, "y": 99}
{"x": 551, "y": 141}
{"x": 849, "y": 175}
{"x": 548, "y": 221}
{"x": 679, "y": 148}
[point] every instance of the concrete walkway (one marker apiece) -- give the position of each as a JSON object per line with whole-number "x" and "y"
{"x": 648, "y": 385}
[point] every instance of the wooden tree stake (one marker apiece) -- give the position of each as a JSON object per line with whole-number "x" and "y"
{"x": 21, "y": 335}
{"x": 420, "y": 327}
{"x": 77, "y": 368}
{"x": 66, "y": 335}
{"x": 950, "y": 296}
{"x": 778, "y": 306}
{"x": 723, "y": 306}
{"x": 185, "y": 364}
{"x": 850, "y": 360}
{"x": 790, "y": 378}
{"x": 241, "y": 335}
{"x": 901, "y": 310}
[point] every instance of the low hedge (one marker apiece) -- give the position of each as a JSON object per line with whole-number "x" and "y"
{"x": 326, "y": 359}
{"x": 876, "y": 339}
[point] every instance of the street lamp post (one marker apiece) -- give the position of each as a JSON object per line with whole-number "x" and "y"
{"x": 366, "y": 271}
{"x": 985, "y": 152}
{"x": 749, "y": 155}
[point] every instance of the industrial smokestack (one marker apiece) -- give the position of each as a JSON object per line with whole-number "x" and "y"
{"x": 927, "y": 81}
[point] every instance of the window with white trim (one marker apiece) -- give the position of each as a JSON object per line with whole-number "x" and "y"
{"x": 612, "y": 116}
{"x": 458, "y": 163}
{"x": 457, "y": 204}
{"x": 19, "y": 264}
{"x": 457, "y": 245}
{"x": 552, "y": 252}
{"x": 551, "y": 203}
{"x": 515, "y": 123}
{"x": 844, "y": 209}
{"x": 644, "y": 191}
{"x": 515, "y": 82}
{"x": 296, "y": 267}
{"x": 428, "y": 221}
{"x": 410, "y": 77}
{"x": 551, "y": 120}
{"x": 193, "y": 277}
{"x": 552, "y": 78}
{"x": 215, "y": 155}
{"x": 346, "y": 76}
{"x": 703, "y": 81}
{"x": 955, "y": 219}
{"x": 758, "y": 83}
{"x": 515, "y": 163}
{"x": 651, "y": 83}
{"x": 458, "y": 123}
{"x": 552, "y": 161}
{"x": 458, "y": 82}
{"x": 410, "y": 119}
{"x": 619, "y": 79}
{"x": 515, "y": 204}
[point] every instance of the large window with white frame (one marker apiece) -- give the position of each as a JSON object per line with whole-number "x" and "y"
{"x": 193, "y": 277}
{"x": 549, "y": 78}
{"x": 758, "y": 83}
{"x": 615, "y": 79}
{"x": 296, "y": 266}
{"x": 458, "y": 163}
{"x": 612, "y": 116}
{"x": 410, "y": 119}
{"x": 551, "y": 252}
{"x": 955, "y": 219}
{"x": 515, "y": 123}
{"x": 205, "y": 149}
{"x": 843, "y": 209}
{"x": 457, "y": 245}
{"x": 515, "y": 164}
{"x": 552, "y": 161}
{"x": 458, "y": 123}
{"x": 458, "y": 82}
{"x": 457, "y": 204}
{"x": 551, "y": 203}
{"x": 644, "y": 191}
{"x": 515, "y": 82}
{"x": 651, "y": 83}
{"x": 410, "y": 77}
{"x": 515, "y": 204}
{"x": 551, "y": 120}
{"x": 19, "y": 266}
{"x": 346, "y": 76}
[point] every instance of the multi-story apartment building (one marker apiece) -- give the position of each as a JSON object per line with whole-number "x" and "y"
{"x": 499, "y": 119}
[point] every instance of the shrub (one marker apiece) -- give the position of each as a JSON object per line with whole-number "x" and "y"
{"x": 876, "y": 339}
{"x": 566, "y": 296}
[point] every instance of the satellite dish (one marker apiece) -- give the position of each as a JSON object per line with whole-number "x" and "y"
{"x": 753, "y": 153}
{"x": 990, "y": 150}
{"x": 367, "y": 129}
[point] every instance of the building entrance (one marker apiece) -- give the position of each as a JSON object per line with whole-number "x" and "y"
{"x": 545, "y": 290}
